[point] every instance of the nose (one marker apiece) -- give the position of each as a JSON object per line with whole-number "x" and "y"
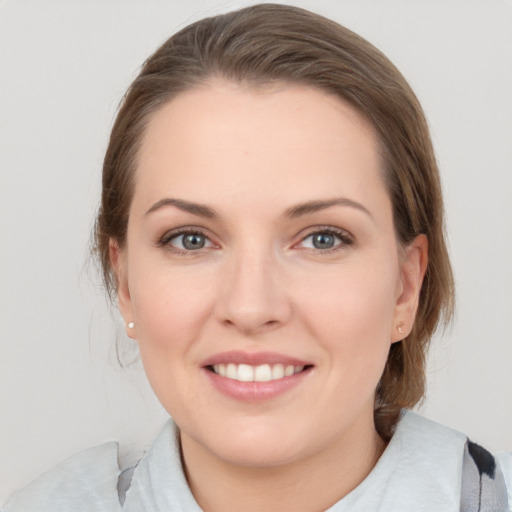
{"x": 254, "y": 297}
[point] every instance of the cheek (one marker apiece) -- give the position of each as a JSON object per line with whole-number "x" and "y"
{"x": 351, "y": 313}
{"x": 356, "y": 299}
{"x": 170, "y": 307}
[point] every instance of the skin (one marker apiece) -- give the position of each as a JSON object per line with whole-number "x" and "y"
{"x": 260, "y": 284}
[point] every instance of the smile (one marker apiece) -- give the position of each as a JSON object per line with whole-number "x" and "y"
{"x": 260, "y": 373}
{"x": 255, "y": 377}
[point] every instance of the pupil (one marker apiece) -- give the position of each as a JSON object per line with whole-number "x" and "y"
{"x": 193, "y": 241}
{"x": 323, "y": 241}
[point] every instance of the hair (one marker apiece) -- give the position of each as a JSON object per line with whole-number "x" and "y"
{"x": 270, "y": 43}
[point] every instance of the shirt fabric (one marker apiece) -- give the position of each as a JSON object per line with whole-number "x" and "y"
{"x": 421, "y": 470}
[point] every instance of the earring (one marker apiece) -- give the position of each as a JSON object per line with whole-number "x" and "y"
{"x": 399, "y": 328}
{"x": 131, "y": 325}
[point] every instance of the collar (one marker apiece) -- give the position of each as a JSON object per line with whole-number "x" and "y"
{"x": 420, "y": 470}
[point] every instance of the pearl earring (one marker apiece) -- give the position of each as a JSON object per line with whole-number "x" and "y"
{"x": 399, "y": 328}
{"x": 131, "y": 325}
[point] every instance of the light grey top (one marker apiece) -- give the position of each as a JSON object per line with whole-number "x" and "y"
{"x": 420, "y": 470}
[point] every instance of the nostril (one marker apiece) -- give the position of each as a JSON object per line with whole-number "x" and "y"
{"x": 250, "y": 324}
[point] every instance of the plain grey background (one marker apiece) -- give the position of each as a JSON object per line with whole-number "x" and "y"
{"x": 64, "y": 66}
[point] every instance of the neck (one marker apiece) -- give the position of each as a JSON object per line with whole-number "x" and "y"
{"x": 313, "y": 483}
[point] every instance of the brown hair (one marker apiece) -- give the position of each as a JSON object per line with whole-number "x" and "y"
{"x": 267, "y": 43}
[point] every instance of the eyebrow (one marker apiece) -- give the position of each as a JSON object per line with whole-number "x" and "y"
{"x": 294, "y": 212}
{"x": 318, "y": 205}
{"x": 200, "y": 210}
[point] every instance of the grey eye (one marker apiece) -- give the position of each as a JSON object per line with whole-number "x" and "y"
{"x": 193, "y": 241}
{"x": 323, "y": 240}
{"x": 190, "y": 241}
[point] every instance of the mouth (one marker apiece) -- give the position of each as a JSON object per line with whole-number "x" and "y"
{"x": 255, "y": 377}
{"x": 259, "y": 373}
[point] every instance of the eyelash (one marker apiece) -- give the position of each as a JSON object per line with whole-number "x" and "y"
{"x": 166, "y": 239}
{"x": 345, "y": 238}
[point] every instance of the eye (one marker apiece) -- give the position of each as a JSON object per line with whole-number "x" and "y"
{"x": 186, "y": 241}
{"x": 323, "y": 240}
{"x": 326, "y": 240}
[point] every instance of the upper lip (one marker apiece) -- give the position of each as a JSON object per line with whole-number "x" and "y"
{"x": 253, "y": 359}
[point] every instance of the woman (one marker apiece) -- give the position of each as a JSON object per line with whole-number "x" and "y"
{"x": 272, "y": 227}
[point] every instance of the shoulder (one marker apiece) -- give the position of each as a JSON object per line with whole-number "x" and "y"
{"x": 85, "y": 482}
{"x": 484, "y": 480}
{"x": 479, "y": 479}
{"x": 505, "y": 463}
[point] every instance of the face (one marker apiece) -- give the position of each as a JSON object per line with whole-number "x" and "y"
{"x": 262, "y": 272}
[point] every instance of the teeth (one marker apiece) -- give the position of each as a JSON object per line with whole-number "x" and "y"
{"x": 277, "y": 371}
{"x": 262, "y": 373}
{"x": 230, "y": 371}
{"x": 245, "y": 373}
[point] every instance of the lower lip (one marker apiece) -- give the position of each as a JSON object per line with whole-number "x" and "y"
{"x": 255, "y": 391}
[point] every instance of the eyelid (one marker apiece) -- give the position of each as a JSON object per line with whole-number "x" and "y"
{"x": 164, "y": 240}
{"x": 346, "y": 238}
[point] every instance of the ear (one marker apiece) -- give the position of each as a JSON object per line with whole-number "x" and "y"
{"x": 118, "y": 262}
{"x": 412, "y": 271}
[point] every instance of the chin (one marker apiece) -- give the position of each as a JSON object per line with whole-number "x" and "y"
{"x": 259, "y": 453}
{"x": 253, "y": 443}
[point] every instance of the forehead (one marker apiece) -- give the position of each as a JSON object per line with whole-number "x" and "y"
{"x": 288, "y": 142}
